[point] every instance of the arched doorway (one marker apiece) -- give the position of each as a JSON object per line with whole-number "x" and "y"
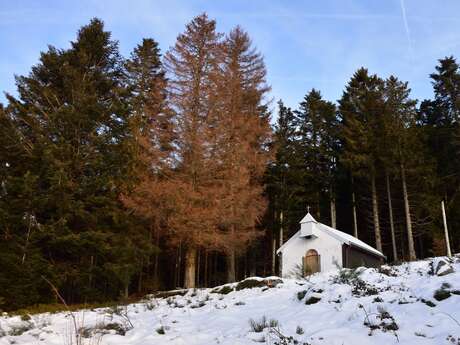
{"x": 311, "y": 262}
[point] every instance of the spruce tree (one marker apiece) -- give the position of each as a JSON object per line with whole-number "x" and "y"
{"x": 72, "y": 117}
{"x": 317, "y": 143}
{"x": 439, "y": 121}
{"x": 283, "y": 182}
{"x": 361, "y": 107}
{"x": 400, "y": 145}
{"x": 151, "y": 144}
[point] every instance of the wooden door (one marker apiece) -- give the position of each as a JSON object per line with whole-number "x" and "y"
{"x": 311, "y": 262}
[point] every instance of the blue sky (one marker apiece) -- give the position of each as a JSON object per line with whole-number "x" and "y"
{"x": 306, "y": 44}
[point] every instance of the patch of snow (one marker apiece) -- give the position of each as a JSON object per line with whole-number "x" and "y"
{"x": 358, "y": 308}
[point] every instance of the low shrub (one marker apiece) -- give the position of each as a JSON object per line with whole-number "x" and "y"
{"x": 387, "y": 322}
{"x": 346, "y": 276}
{"x": 259, "y": 326}
{"x": 273, "y": 323}
{"x": 361, "y": 288}
{"x": 17, "y": 330}
{"x": 150, "y": 305}
{"x": 114, "y": 326}
{"x": 103, "y": 328}
{"x": 278, "y": 338}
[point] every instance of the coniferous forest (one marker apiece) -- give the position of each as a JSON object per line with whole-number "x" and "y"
{"x": 125, "y": 175}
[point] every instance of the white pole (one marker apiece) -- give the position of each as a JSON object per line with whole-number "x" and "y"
{"x": 446, "y": 233}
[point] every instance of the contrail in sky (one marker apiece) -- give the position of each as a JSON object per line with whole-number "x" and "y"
{"x": 406, "y": 26}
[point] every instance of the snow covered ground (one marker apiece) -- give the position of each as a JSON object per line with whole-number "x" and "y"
{"x": 406, "y": 304}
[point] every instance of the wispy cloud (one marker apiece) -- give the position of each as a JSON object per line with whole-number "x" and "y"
{"x": 406, "y": 27}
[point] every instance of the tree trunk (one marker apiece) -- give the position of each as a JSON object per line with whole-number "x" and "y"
{"x": 198, "y": 268}
{"x": 281, "y": 229}
{"x": 206, "y": 268}
{"x": 446, "y": 231}
{"x": 273, "y": 254}
{"x": 281, "y": 240}
{"x": 190, "y": 267}
{"x": 318, "y": 213}
{"x": 333, "y": 213}
{"x": 231, "y": 272}
{"x": 178, "y": 266}
{"x": 252, "y": 263}
{"x": 410, "y": 237}
{"x": 148, "y": 264}
{"x": 29, "y": 228}
{"x": 274, "y": 242}
{"x": 156, "y": 258}
{"x": 375, "y": 213}
{"x": 126, "y": 290}
{"x": 252, "y": 272}
{"x": 139, "y": 282}
{"x": 390, "y": 212}
{"x": 355, "y": 218}
{"x": 91, "y": 266}
{"x": 245, "y": 275}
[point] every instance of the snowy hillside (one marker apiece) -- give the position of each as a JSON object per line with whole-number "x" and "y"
{"x": 415, "y": 303}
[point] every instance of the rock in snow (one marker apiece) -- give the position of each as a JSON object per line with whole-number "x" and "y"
{"x": 442, "y": 266}
{"x": 414, "y": 303}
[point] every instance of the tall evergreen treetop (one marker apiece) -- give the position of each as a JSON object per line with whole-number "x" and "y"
{"x": 361, "y": 107}
{"x": 446, "y": 85}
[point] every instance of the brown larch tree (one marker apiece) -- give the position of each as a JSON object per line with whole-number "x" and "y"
{"x": 242, "y": 130}
{"x": 192, "y": 65}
